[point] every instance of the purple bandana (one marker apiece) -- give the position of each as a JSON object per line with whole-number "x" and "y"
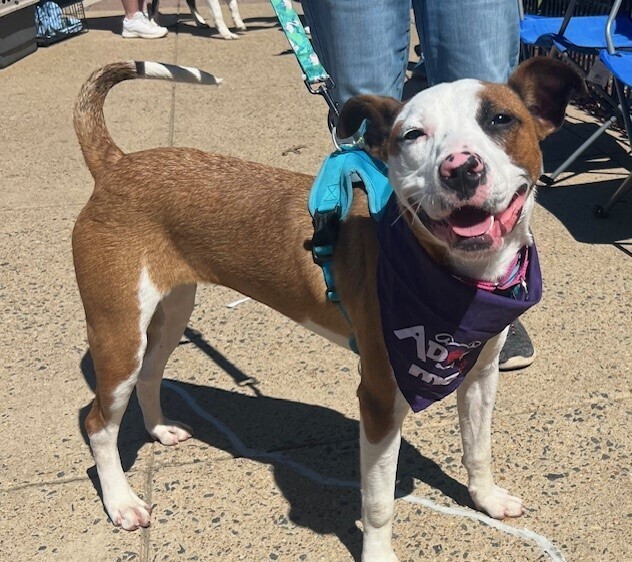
{"x": 435, "y": 325}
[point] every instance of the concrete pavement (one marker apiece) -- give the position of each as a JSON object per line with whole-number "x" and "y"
{"x": 270, "y": 473}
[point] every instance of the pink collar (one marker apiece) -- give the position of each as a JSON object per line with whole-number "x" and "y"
{"x": 515, "y": 275}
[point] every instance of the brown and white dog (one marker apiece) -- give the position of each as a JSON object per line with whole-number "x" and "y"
{"x": 161, "y": 221}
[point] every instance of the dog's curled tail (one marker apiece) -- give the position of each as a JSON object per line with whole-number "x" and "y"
{"x": 96, "y": 143}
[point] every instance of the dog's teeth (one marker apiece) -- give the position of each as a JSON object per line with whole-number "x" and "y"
{"x": 491, "y": 224}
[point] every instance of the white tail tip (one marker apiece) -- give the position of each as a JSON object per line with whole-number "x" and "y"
{"x": 162, "y": 71}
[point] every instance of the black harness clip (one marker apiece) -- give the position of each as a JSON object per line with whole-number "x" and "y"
{"x": 326, "y": 229}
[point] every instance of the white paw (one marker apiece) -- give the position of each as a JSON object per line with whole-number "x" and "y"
{"x": 226, "y": 33}
{"x": 241, "y": 26}
{"x": 171, "y": 432}
{"x": 498, "y": 503}
{"x": 127, "y": 510}
{"x": 378, "y": 555}
{"x": 377, "y": 547}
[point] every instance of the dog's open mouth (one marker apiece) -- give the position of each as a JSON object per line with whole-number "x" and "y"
{"x": 473, "y": 228}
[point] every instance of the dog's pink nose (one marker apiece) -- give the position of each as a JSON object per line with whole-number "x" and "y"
{"x": 462, "y": 172}
{"x": 472, "y": 163}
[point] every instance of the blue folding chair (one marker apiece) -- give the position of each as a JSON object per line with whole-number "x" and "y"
{"x": 580, "y": 34}
{"x": 620, "y": 64}
{"x": 586, "y": 35}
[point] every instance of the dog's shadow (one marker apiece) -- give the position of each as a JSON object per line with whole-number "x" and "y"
{"x": 318, "y": 439}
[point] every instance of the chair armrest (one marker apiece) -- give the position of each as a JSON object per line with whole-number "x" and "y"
{"x": 613, "y": 14}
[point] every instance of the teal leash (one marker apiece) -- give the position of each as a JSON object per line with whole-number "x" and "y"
{"x": 315, "y": 76}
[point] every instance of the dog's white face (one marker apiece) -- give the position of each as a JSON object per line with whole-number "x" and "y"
{"x": 464, "y": 157}
{"x": 451, "y": 167}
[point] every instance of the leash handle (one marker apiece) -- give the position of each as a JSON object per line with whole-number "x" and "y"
{"x": 314, "y": 74}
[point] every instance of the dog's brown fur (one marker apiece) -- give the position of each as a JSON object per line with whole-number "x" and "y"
{"x": 185, "y": 214}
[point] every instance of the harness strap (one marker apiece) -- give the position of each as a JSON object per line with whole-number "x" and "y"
{"x": 330, "y": 202}
{"x": 333, "y": 187}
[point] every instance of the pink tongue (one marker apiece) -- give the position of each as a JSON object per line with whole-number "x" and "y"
{"x": 469, "y": 229}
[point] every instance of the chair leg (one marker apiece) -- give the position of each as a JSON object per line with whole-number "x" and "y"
{"x": 550, "y": 178}
{"x": 625, "y": 109}
{"x": 602, "y": 212}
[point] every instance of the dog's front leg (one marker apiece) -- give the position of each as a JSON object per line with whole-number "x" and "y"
{"x": 380, "y": 436}
{"x": 234, "y": 12}
{"x": 475, "y": 399}
{"x": 223, "y": 30}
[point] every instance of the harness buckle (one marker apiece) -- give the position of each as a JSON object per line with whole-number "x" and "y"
{"x": 326, "y": 227}
{"x": 332, "y": 296}
{"x": 322, "y": 89}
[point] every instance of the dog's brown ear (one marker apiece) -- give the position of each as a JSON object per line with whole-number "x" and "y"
{"x": 379, "y": 111}
{"x": 546, "y": 86}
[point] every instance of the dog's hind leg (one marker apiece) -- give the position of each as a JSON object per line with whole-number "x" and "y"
{"x": 164, "y": 333}
{"x": 475, "y": 399}
{"x": 153, "y": 8}
{"x": 234, "y": 12}
{"x": 117, "y": 337}
{"x": 199, "y": 20}
{"x": 223, "y": 30}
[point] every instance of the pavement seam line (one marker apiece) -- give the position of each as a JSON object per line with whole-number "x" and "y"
{"x": 541, "y": 541}
{"x": 145, "y": 538}
{"x": 172, "y": 108}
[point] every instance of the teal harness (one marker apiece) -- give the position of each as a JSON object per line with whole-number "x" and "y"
{"x": 332, "y": 193}
{"x": 330, "y": 201}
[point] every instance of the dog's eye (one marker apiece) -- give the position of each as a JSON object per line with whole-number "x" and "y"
{"x": 413, "y": 134}
{"x": 502, "y": 119}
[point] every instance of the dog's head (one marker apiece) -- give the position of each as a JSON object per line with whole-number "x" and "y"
{"x": 463, "y": 157}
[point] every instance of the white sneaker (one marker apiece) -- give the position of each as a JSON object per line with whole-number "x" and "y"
{"x": 151, "y": 20}
{"x": 138, "y": 26}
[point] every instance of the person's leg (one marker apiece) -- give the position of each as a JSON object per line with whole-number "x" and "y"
{"x": 474, "y": 39}
{"x": 362, "y": 45}
{"x": 130, "y": 7}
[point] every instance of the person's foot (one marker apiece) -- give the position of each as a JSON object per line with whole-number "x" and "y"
{"x": 518, "y": 351}
{"x": 139, "y": 27}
